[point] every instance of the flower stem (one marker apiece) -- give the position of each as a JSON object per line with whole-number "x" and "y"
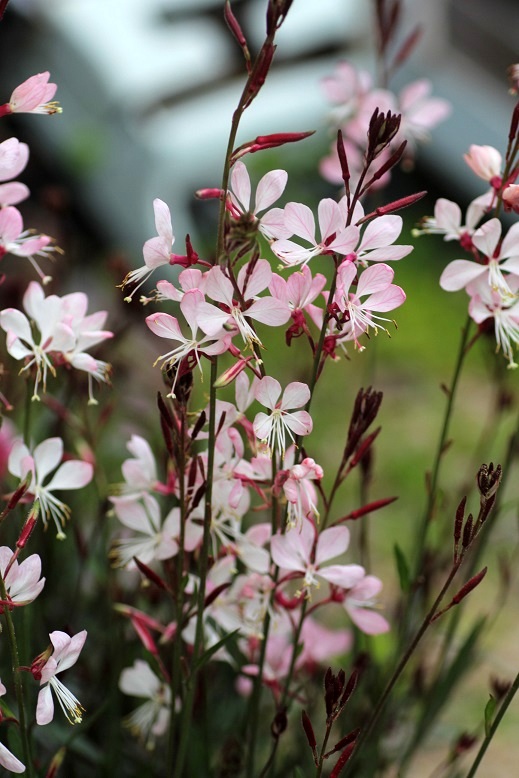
{"x": 421, "y": 540}
{"x": 18, "y": 684}
{"x": 185, "y": 729}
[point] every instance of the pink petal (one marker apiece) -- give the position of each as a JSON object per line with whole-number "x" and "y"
{"x": 270, "y": 189}
{"x": 375, "y": 279}
{"x": 345, "y": 576}
{"x": 72, "y": 475}
{"x": 240, "y": 185}
{"x": 268, "y": 391}
{"x": 510, "y": 245}
{"x": 156, "y": 252}
{"x": 218, "y": 287}
{"x": 487, "y": 237}
{"x": 269, "y": 311}
{"x": 331, "y": 543}
{"x": 387, "y": 300}
{"x": 300, "y": 220}
{"x": 45, "y": 706}
{"x": 256, "y": 281}
{"x": 382, "y": 231}
{"x": 13, "y": 193}
{"x": 272, "y": 224}
{"x": 14, "y": 321}
{"x": 346, "y": 241}
{"x": 459, "y": 273}
{"x": 299, "y": 422}
{"x": 10, "y": 762}
{"x": 163, "y": 221}
{"x": 47, "y": 456}
{"x": 388, "y": 253}
{"x": 369, "y": 621}
{"x": 165, "y": 326}
{"x": 330, "y": 218}
{"x": 295, "y": 395}
{"x": 11, "y": 224}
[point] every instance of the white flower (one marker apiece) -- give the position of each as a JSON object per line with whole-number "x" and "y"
{"x": 73, "y": 474}
{"x": 65, "y": 654}
{"x": 151, "y": 719}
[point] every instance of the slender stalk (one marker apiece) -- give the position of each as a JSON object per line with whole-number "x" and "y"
{"x": 253, "y": 713}
{"x": 18, "y": 683}
{"x": 491, "y": 732}
{"x": 179, "y": 588}
{"x": 185, "y": 729}
{"x": 369, "y": 727}
{"x": 421, "y": 539}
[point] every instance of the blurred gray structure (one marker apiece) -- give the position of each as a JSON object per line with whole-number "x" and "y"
{"x": 148, "y": 88}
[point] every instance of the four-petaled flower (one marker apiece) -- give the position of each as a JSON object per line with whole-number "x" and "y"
{"x": 72, "y": 474}
{"x": 60, "y": 656}
{"x": 33, "y": 96}
{"x": 272, "y": 428}
{"x": 22, "y": 580}
{"x": 300, "y": 551}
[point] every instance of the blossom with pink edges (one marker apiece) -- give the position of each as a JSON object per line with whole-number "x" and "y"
{"x": 33, "y": 96}
{"x": 63, "y": 653}
{"x": 274, "y": 427}
{"x": 336, "y": 237}
{"x": 301, "y": 550}
{"x": 22, "y": 580}
{"x": 499, "y": 256}
{"x": 269, "y": 189}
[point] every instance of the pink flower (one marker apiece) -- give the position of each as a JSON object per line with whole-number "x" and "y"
{"x": 382, "y": 295}
{"x": 13, "y": 158}
{"x": 22, "y": 580}
{"x": 300, "y": 491}
{"x": 272, "y": 428}
{"x": 377, "y": 239}
{"x": 420, "y": 112}
{"x": 511, "y": 197}
{"x": 301, "y": 551}
{"x": 7, "y": 759}
{"x": 485, "y": 161}
{"x": 72, "y": 474}
{"x": 155, "y": 539}
{"x": 65, "y": 653}
{"x": 65, "y": 334}
{"x": 358, "y": 602}
{"x": 269, "y": 189}
{"x": 487, "y": 303}
{"x": 461, "y": 272}
{"x": 156, "y": 251}
{"x": 336, "y": 238}
{"x": 252, "y": 279}
{"x": 447, "y": 220}
{"x": 193, "y": 306}
{"x": 14, "y": 240}
{"x": 33, "y": 96}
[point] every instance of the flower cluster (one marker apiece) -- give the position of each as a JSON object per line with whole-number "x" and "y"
{"x": 54, "y": 331}
{"x": 491, "y": 275}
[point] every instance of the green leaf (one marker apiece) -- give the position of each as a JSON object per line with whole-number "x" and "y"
{"x": 206, "y": 656}
{"x": 490, "y": 709}
{"x": 403, "y": 568}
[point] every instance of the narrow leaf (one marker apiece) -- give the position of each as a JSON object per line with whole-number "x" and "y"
{"x": 490, "y": 709}
{"x": 402, "y": 568}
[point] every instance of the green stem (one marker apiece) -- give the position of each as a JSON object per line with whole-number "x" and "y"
{"x": 179, "y": 590}
{"x": 254, "y": 705}
{"x": 421, "y": 539}
{"x": 488, "y": 738}
{"x": 18, "y": 683}
{"x": 185, "y": 728}
{"x": 368, "y": 728}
